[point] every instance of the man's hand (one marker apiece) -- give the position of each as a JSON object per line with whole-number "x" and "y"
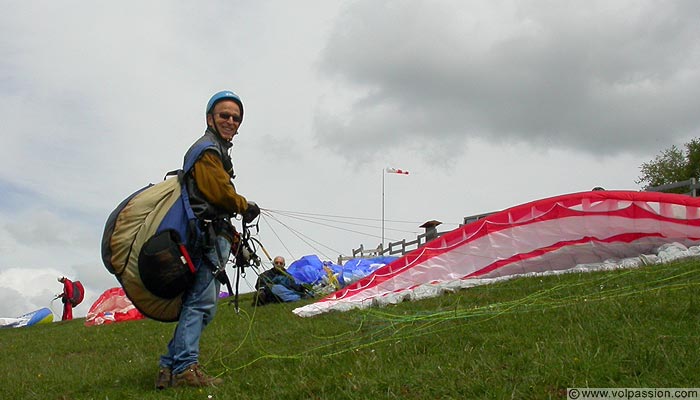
{"x": 251, "y": 212}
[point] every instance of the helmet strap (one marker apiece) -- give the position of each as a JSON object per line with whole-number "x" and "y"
{"x": 213, "y": 125}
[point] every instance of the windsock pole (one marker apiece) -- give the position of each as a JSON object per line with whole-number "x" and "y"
{"x": 390, "y": 171}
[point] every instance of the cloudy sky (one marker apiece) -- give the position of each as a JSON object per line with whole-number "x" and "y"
{"x": 488, "y": 104}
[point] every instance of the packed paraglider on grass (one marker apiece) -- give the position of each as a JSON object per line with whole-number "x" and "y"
{"x": 40, "y": 316}
{"x": 574, "y": 232}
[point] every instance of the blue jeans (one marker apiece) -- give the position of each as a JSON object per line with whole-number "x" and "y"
{"x": 285, "y": 294}
{"x": 198, "y": 309}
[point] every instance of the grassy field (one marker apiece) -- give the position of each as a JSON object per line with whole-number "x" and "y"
{"x": 528, "y": 338}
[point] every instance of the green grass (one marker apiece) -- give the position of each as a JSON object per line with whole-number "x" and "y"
{"x": 528, "y": 338}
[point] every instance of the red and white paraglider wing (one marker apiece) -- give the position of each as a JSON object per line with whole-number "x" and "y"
{"x": 545, "y": 236}
{"x": 112, "y": 306}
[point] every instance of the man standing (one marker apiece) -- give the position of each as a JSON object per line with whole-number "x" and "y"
{"x": 72, "y": 295}
{"x": 213, "y": 197}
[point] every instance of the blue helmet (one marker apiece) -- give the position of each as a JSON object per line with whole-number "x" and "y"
{"x": 224, "y": 95}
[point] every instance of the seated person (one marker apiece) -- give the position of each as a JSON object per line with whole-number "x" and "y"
{"x": 276, "y": 285}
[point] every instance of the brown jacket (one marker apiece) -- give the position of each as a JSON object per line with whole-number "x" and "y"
{"x": 215, "y": 184}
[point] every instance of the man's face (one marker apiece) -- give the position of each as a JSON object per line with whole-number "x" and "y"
{"x": 279, "y": 263}
{"x": 226, "y": 118}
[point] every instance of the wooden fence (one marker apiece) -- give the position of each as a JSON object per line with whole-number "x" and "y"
{"x": 402, "y": 247}
{"x": 692, "y": 185}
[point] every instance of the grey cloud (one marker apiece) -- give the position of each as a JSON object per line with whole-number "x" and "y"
{"x": 21, "y": 293}
{"x": 602, "y": 78}
{"x": 42, "y": 227}
{"x": 13, "y": 303}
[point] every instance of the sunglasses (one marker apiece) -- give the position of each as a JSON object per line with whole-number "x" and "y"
{"x": 279, "y": 263}
{"x": 227, "y": 116}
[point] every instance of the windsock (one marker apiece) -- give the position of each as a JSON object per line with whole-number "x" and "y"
{"x": 396, "y": 171}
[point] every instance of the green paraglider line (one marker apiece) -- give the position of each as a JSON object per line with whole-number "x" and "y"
{"x": 393, "y": 327}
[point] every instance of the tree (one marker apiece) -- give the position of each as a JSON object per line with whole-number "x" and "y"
{"x": 693, "y": 157}
{"x": 672, "y": 165}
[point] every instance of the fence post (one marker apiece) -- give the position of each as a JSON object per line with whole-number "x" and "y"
{"x": 360, "y": 250}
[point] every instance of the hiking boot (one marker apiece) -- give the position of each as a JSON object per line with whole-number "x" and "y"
{"x": 195, "y": 376}
{"x": 165, "y": 379}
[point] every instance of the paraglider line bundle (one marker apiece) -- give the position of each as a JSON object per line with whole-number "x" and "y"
{"x": 336, "y": 222}
{"x": 376, "y": 326}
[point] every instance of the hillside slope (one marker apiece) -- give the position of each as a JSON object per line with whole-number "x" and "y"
{"x": 526, "y": 338}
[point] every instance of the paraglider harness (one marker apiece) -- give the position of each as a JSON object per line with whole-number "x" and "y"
{"x": 243, "y": 251}
{"x": 76, "y": 295}
{"x": 153, "y": 241}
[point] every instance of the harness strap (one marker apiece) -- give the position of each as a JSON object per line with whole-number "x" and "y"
{"x": 245, "y": 236}
{"x": 220, "y": 269}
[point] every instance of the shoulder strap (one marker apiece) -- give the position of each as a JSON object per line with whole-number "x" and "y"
{"x": 196, "y": 151}
{"x": 175, "y": 172}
